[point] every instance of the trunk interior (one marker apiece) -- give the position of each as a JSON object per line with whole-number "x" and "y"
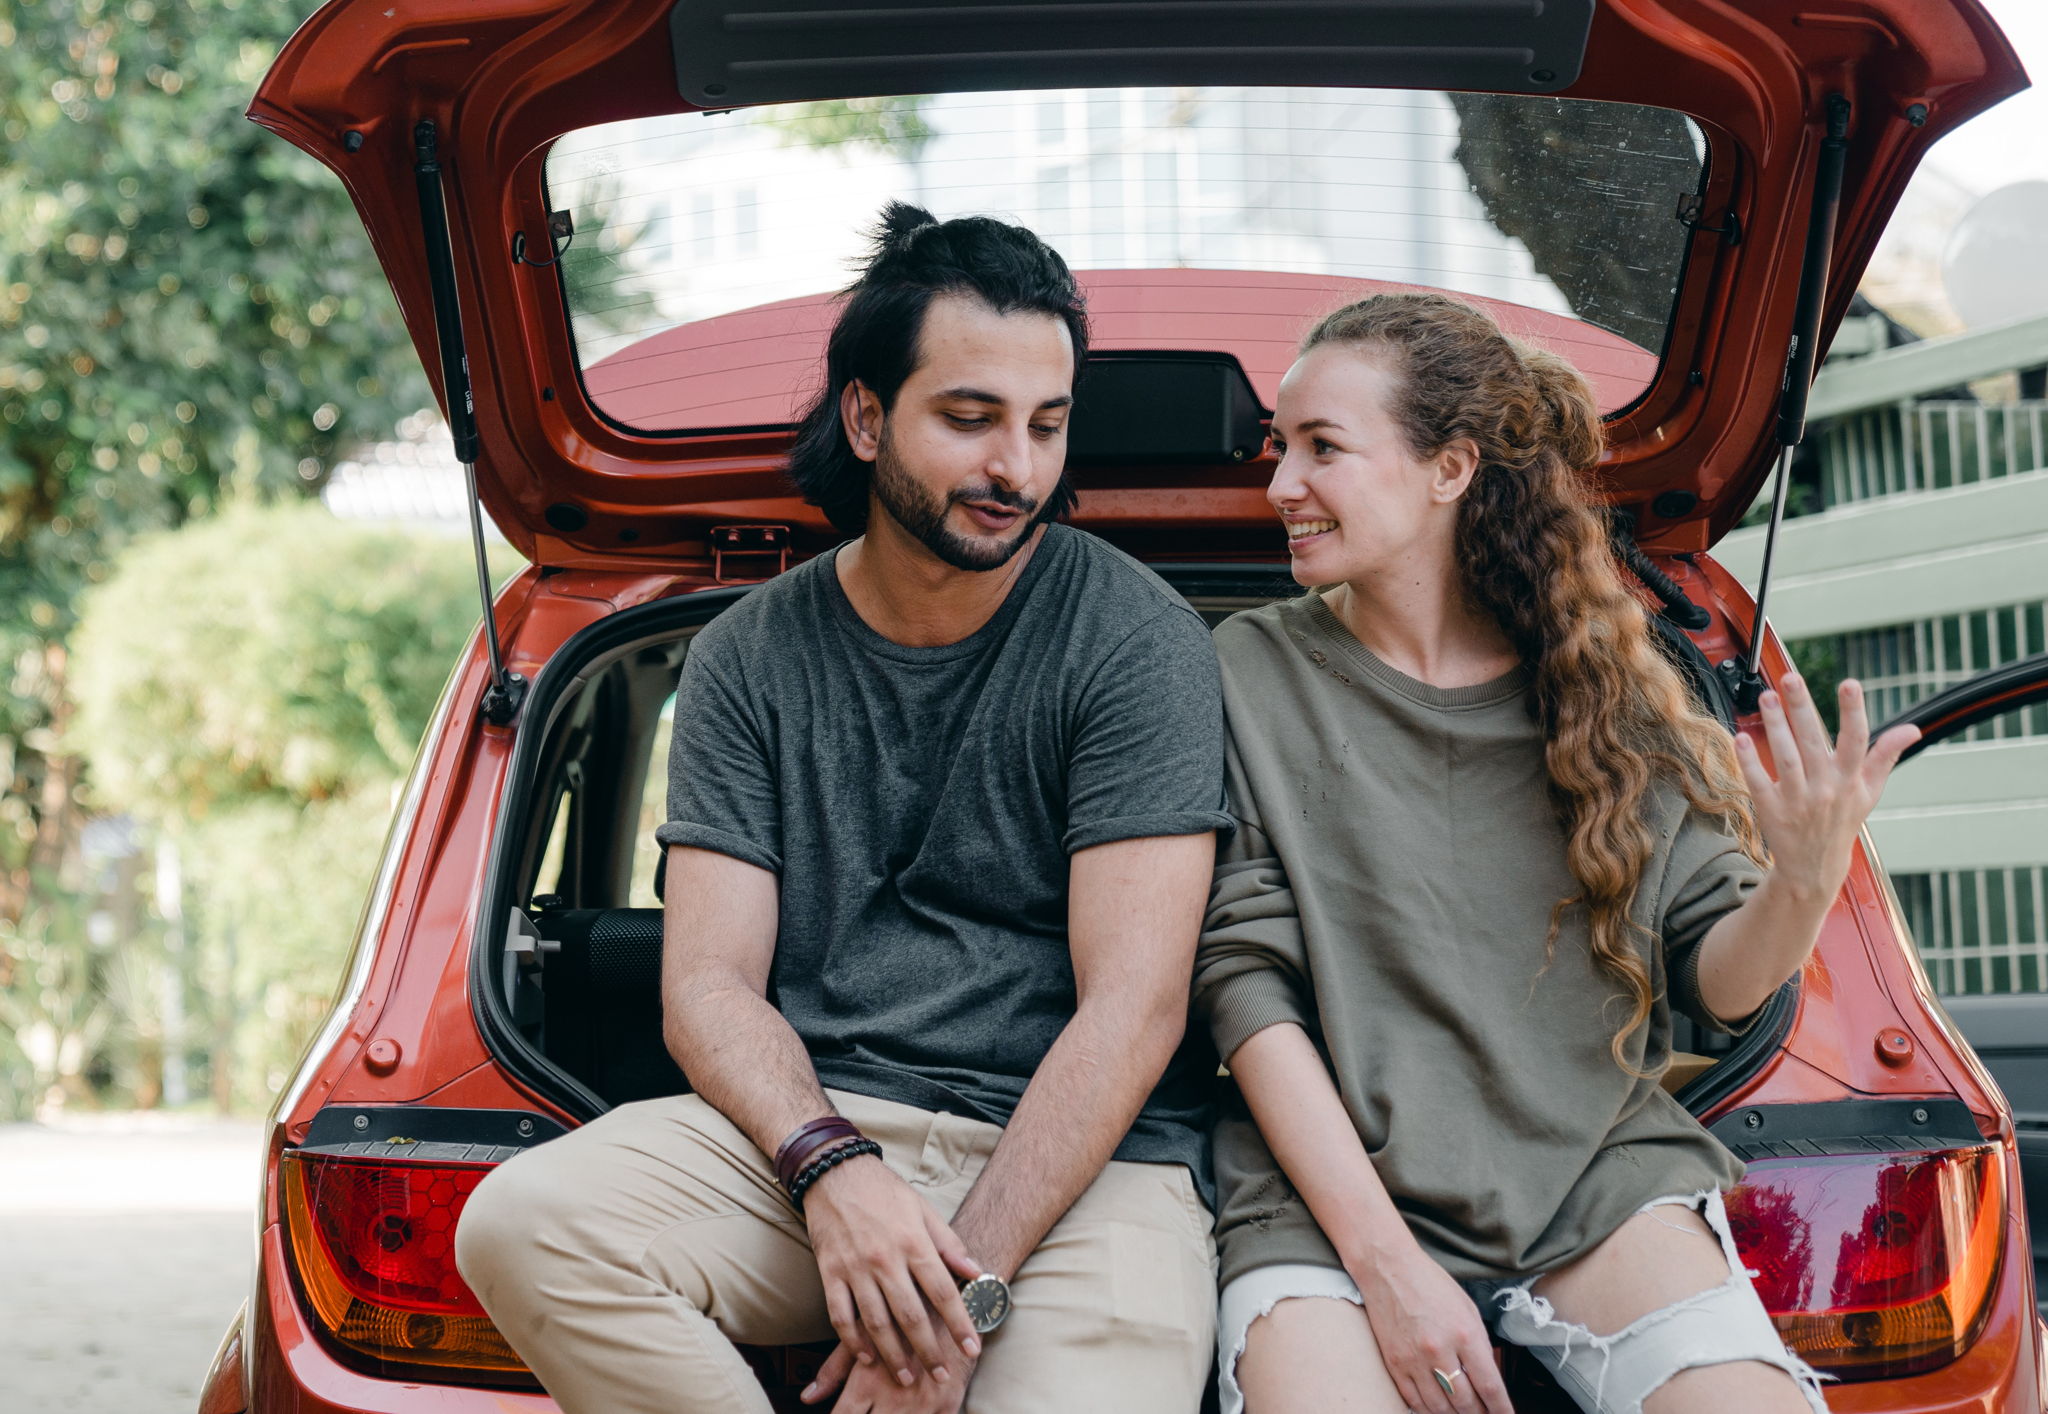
{"x": 577, "y": 874}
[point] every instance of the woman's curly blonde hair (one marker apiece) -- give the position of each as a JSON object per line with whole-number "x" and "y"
{"x": 1533, "y": 548}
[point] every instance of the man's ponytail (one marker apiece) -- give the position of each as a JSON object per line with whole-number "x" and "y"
{"x": 898, "y": 229}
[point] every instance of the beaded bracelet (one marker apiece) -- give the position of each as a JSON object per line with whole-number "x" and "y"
{"x": 825, "y": 1163}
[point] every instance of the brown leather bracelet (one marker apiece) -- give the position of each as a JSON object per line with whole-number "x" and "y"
{"x": 825, "y": 1163}
{"x": 807, "y": 1143}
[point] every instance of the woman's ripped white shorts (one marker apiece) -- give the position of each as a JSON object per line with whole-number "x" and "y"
{"x": 1606, "y": 1374}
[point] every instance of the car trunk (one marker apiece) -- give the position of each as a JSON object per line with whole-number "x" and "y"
{"x": 574, "y": 987}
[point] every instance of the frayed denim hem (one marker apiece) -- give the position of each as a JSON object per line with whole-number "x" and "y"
{"x": 1614, "y": 1374}
{"x": 1253, "y": 1296}
{"x": 1604, "y": 1374}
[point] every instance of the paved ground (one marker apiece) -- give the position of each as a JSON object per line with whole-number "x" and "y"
{"x": 125, "y": 1245}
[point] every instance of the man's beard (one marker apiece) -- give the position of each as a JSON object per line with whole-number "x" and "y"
{"x": 923, "y": 515}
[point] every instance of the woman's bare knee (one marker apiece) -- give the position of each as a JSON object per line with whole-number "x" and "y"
{"x": 1748, "y": 1385}
{"x": 1658, "y": 1257}
{"x": 1313, "y": 1354}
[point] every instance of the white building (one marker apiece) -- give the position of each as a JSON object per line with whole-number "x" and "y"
{"x": 1926, "y": 564}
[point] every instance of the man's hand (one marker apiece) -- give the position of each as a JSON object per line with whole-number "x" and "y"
{"x": 869, "y": 1391}
{"x": 882, "y": 1251}
{"x": 889, "y": 1263}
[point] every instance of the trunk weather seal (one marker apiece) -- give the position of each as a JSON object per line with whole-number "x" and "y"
{"x": 487, "y": 942}
{"x": 1727, "y": 1075}
{"x": 1990, "y": 694}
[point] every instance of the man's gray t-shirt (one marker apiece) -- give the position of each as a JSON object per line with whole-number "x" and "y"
{"x": 920, "y": 805}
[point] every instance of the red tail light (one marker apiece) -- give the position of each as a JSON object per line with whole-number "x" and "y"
{"x": 373, "y": 1245}
{"x": 1877, "y": 1265}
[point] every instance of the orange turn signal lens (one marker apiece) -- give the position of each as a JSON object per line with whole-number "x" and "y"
{"x": 1875, "y": 1265}
{"x": 373, "y": 1247}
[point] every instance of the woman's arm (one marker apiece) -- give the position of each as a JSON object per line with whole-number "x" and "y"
{"x": 1810, "y": 815}
{"x": 1303, "y": 1121}
{"x": 1251, "y": 964}
{"x": 1421, "y": 1317}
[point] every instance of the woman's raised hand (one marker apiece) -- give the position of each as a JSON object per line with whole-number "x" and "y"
{"x": 1424, "y": 1322}
{"x": 1814, "y": 800}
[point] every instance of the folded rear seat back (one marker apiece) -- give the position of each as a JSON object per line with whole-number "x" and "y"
{"x": 601, "y": 1002}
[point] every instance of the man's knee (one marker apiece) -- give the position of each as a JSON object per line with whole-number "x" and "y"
{"x": 510, "y": 1223}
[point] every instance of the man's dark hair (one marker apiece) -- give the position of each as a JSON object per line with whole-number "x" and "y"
{"x": 915, "y": 259}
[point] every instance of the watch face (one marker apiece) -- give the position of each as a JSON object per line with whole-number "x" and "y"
{"x": 988, "y": 1301}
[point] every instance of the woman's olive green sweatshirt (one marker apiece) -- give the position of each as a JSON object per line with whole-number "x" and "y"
{"x": 1389, "y": 889}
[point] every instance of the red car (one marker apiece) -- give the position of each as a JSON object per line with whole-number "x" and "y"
{"x": 614, "y": 227}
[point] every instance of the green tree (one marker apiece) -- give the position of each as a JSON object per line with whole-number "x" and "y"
{"x": 189, "y": 314}
{"x": 251, "y": 688}
{"x": 1612, "y": 259}
{"x": 893, "y": 125}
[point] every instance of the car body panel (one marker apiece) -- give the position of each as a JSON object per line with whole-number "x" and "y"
{"x": 504, "y": 78}
{"x": 1256, "y": 317}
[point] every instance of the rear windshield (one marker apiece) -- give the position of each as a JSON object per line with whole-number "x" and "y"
{"x": 707, "y": 246}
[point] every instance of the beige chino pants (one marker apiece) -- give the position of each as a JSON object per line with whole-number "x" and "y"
{"x": 623, "y": 1259}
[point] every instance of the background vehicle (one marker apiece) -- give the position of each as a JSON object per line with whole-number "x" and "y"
{"x": 1674, "y": 238}
{"x": 2010, "y": 1035}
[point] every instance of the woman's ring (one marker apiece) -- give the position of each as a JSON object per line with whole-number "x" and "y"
{"x": 1443, "y": 1380}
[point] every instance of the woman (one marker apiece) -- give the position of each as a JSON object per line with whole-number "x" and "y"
{"x": 1486, "y": 846}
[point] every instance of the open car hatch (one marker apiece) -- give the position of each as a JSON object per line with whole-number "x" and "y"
{"x": 624, "y": 181}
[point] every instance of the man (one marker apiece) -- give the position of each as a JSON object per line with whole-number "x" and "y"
{"x": 942, "y": 813}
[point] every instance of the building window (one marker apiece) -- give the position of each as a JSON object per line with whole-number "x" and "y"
{"x": 1980, "y": 930}
{"x": 746, "y": 221}
{"x": 1904, "y": 664}
{"x": 1929, "y": 446}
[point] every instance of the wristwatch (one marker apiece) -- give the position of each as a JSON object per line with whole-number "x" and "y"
{"x": 988, "y": 1301}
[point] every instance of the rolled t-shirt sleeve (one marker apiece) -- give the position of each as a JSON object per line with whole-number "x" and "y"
{"x": 1147, "y": 744}
{"x": 1707, "y": 877}
{"x": 722, "y": 792}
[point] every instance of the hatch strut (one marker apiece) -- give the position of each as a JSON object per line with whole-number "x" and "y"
{"x": 1744, "y": 679}
{"x": 507, "y": 689}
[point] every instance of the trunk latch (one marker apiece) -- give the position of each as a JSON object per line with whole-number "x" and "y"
{"x": 752, "y": 546}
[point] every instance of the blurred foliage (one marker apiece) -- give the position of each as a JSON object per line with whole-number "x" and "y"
{"x": 1819, "y": 661}
{"x": 53, "y": 1004}
{"x": 1614, "y": 260}
{"x": 892, "y": 125}
{"x": 251, "y": 688}
{"x": 279, "y": 655}
{"x": 596, "y": 280}
{"x": 189, "y": 315}
{"x": 281, "y": 888}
